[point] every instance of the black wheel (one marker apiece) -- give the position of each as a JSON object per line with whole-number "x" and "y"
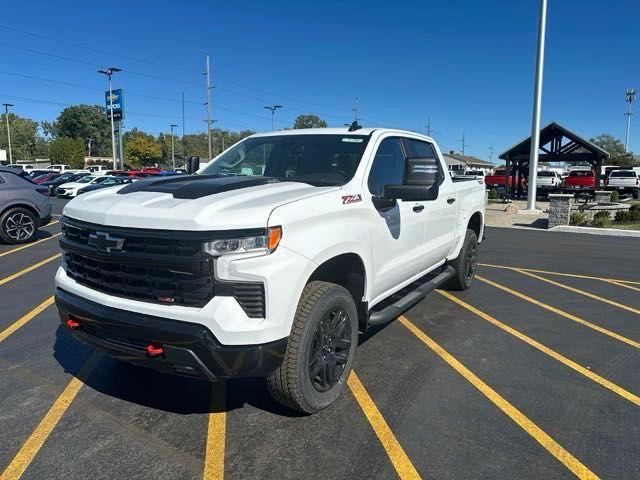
{"x": 636, "y": 194}
{"x": 18, "y": 225}
{"x": 320, "y": 349}
{"x": 465, "y": 264}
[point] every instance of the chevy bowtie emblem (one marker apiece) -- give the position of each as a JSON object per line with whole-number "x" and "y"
{"x": 104, "y": 242}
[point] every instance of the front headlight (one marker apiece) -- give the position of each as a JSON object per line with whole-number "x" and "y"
{"x": 261, "y": 243}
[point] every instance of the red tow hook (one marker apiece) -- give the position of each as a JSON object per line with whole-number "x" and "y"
{"x": 72, "y": 324}
{"x": 154, "y": 350}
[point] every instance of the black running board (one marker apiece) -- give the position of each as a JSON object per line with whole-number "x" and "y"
{"x": 405, "y": 303}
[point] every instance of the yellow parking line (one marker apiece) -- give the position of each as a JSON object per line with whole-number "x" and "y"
{"x": 28, "y": 269}
{"x": 34, "y": 443}
{"x": 580, "y": 292}
{"x": 30, "y": 245}
{"x": 547, "y": 272}
{"x": 562, "y": 313}
{"x": 553, "y": 447}
{"x": 403, "y": 466}
{"x": 216, "y": 435}
{"x": 624, "y": 285}
{"x": 544, "y": 349}
{"x": 25, "y": 318}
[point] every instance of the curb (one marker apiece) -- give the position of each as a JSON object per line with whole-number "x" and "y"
{"x": 614, "y": 232}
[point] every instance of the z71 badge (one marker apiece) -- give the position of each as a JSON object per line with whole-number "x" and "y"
{"x": 346, "y": 199}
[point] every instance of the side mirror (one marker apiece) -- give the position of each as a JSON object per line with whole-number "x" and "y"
{"x": 410, "y": 193}
{"x": 193, "y": 165}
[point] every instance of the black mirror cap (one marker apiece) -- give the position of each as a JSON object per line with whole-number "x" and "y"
{"x": 193, "y": 165}
{"x": 410, "y": 193}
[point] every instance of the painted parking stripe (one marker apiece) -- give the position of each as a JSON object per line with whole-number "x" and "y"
{"x": 403, "y": 466}
{"x": 26, "y": 318}
{"x": 544, "y": 349}
{"x": 6, "y": 280}
{"x": 562, "y": 313}
{"x": 624, "y": 285}
{"x": 39, "y": 436}
{"x": 561, "y": 274}
{"x": 28, "y": 245}
{"x": 579, "y": 291}
{"x": 216, "y": 434}
{"x": 572, "y": 463}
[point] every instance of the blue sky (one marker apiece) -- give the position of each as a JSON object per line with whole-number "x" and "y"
{"x": 468, "y": 65}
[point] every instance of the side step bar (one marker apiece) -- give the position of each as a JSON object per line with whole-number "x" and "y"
{"x": 396, "y": 309}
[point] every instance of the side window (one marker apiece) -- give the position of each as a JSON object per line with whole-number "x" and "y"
{"x": 427, "y": 169}
{"x": 388, "y": 166}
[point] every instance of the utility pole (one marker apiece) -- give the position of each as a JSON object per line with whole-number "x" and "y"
{"x": 89, "y": 140}
{"x": 537, "y": 106}
{"x": 6, "y": 116}
{"x": 120, "y": 149}
{"x": 429, "y": 127}
{"x": 630, "y": 96}
{"x": 173, "y": 148}
{"x": 355, "y": 110}
{"x": 208, "y": 104}
{"x": 273, "y": 109}
{"x": 462, "y": 142}
{"x": 108, "y": 72}
{"x": 491, "y": 153}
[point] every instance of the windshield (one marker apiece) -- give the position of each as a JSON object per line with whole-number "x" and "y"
{"x": 546, "y": 174}
{"x": 318, "y": 160}
{"x": 102, "y": 179}
{"x": 581, "y": 173}
{"x": 621, "y": 173}
{"x": 85, "y": 179}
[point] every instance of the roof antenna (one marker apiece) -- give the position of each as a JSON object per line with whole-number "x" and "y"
{"x": 354, "y": 126}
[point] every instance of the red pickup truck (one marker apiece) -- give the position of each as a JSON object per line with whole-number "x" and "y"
{"x": 499, "y": 179}
{"x": 579, "y": 181}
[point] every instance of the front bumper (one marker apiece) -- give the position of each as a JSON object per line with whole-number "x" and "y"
{"x": 188, "y": 349}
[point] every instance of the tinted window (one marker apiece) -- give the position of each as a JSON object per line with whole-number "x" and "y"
{"x": 546, "y": 174}
{"x": 388, "y": 166}
{"x": 621, "y": 173}
{"x": 427, "y": 169}
{"x": 581, "y": 173}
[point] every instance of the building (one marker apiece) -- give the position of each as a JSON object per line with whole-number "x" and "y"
{"x": 459, "y": 163}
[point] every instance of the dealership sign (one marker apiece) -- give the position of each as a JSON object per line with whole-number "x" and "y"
{"x": 117, "y": 97}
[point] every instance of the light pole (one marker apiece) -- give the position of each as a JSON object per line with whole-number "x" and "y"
{"x": 537, "y": 105}
{"x": 108, "y": 72}
{"x": 273, "y": 109}
{"x": 629, "y": 97}
{"x": 173, "y": 150}
{"x": 6, "y": 116}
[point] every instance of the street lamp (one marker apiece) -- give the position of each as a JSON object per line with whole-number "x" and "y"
{"x": 6, "y": 116}
{"x": 108, "y": 72}
{"x": 629, "y": 97}
{"x": 173, "y": 150}
{"x": 273, "y": 109}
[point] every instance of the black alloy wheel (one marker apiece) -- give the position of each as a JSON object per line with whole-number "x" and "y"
{"x": 330, "y": 349}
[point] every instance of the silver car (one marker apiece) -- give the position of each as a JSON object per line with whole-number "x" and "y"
{"x": 24, "y": 207}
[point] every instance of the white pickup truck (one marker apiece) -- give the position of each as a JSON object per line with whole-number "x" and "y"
{"x": 624, "y": 181}
{"x": 270, "y": 260}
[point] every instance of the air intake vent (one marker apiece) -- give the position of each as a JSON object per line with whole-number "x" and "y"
{"x": 250, "y": 296}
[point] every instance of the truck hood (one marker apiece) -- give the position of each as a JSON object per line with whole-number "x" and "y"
{"x": 190, "y": 203}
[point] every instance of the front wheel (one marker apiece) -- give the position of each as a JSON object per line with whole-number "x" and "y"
{"x": 18, "y": 225}
{"x": 465, "y": 264}
{"x": 320, "y": 350}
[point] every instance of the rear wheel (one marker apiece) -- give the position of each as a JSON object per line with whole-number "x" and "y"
{"x": 17, "y": 225}
{"x": 320, "y": 349}
{"x": 465, "y": 264}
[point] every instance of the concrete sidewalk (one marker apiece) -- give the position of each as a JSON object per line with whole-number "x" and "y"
{"x": 500, "y": 214}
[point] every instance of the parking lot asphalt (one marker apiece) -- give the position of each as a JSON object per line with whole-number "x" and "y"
{"x": 532, "y": 373}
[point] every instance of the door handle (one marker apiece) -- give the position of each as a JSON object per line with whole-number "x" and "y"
{"x": 450, "y": 200}
{"x": 418, "y": 208}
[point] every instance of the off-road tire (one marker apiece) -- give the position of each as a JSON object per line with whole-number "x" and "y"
{"x": 291, "y": 384}
{"x": 6, "y": 222}
{"x": 465, "y": 264}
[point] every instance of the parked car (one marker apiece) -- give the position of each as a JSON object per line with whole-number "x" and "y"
{"x": 579, "y": 181}
{"x": 549, "y": 181}
{"x": 59, "y": 168}
{"x": 36, "y": 173}
{"x": 98, "y": 169}
{"x": 479, "y": 174}
{"x": 108, "y": 182}
{"x": 624, "y": 181}
{"x": 46, "y": 177}
{"x": 62, "y": 179}
{"x": 269, "y": 274}
{"x": 24, "y": 207}
{"x": 70, "y": 189}
{"x": 499, "y": 179}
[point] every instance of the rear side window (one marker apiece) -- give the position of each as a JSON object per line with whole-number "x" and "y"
{"x": 388, "y": 166}
{"x": 620, "y": 173}
{"x": 427, "y": 168}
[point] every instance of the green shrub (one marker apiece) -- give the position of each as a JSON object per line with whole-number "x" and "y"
{"x": 601, "y": 219}
{"x": 614, "y": 196}
{"x": 578, "y": 219}
{"x": 634, "y": 215}
{"x": 622, "y": 216}
{"x": 493, "y": 194}
{"x": 635, "y": 207}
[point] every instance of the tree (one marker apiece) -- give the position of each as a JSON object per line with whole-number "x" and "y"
{"x": 309, "y": 121}
{"x": 84, "y": 122}
{"x": 24, "y": 136}
{"x": 141, "y": 149}
{"x": 615, "y": 149}
{"x": 68, "y": 151}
